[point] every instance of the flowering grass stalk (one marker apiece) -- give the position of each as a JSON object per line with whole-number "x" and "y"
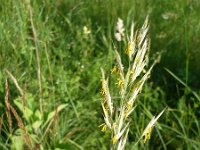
{"x": 129, "y": 83}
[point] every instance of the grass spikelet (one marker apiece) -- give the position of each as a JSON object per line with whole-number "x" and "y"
{"x": 21, "y": 126}
{"x": 24, "y": 98}
{"x": 1, "y": 122}
{"x": 15, "y": 82}
{"x": 7, "y": 107}
{"x": 129, "y": 83}
{"x": 147, "y": 131}
{"x": 106, "y": 95}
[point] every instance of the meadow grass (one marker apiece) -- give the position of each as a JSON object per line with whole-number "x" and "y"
{"x": 70, "y": 62}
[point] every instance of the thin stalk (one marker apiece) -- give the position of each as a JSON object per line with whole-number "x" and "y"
{"x": 187, "y": 52}
{"x": 35, "y": 39}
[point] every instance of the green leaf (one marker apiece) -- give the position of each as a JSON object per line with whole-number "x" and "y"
{"x": 38, "y": 114}
{"x": 37, "y": 124}
{"x": 17, "y": 140}
{"x": 25, "y": 110}
{"x": 52, "y": 114}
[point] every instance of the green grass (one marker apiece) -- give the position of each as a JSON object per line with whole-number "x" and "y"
{"x": 70, "y": 71}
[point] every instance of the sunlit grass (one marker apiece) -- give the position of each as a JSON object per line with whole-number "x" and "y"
{"x": 75, "y": 40}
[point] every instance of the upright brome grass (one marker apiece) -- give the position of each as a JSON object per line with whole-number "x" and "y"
{"x": 129, "y": 83}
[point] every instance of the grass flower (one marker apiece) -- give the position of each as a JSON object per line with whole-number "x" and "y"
{"x": 119, "y": 83}
{"x": 119, "y": 30}
{"x": 129, "y": 83}
{"x": 86, "y": 31}
{"x": 115, "y": 70}
{"x": 118, "y": 36}
{"x": 106, "y": 94}
{"x": 147, "y": 132}
{"x": 120, "y": 26}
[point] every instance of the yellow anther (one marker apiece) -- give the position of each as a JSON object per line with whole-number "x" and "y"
{"x": 115, "y": 70}
{"x": 103, "y": 127}
{"x": 119, "y": 83}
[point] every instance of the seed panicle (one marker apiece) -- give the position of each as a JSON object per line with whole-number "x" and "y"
{"x": 129, "y": 84}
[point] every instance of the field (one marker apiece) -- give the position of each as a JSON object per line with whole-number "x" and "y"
{"x": 51, "y": 55}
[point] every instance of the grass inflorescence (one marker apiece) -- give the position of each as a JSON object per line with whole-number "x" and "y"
{"x": 51, "y": 53}
{"x": 129, "y": 83}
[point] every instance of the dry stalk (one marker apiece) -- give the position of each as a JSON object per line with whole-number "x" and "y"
{"x": 1, "y": 122}
{"x": 36, "y": 42}
{"x": 36, "y": 147}
{"x": 15, "y": 82}
{"x": 54, "y": 122}
{"x": 24, "y": 97}
{"x": 22, "y": 93}
{"x": 21, "y": 126}
{"x": 7, "y": 107}
{"x": 71, "y": 133}
{"x": 46, "y": 131}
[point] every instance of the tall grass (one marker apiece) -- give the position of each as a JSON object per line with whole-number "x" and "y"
{"x": 129, "y": 83}
{"x": 69, "y": 72}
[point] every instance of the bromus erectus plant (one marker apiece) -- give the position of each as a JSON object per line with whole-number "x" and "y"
{"x": 129, "y": 83}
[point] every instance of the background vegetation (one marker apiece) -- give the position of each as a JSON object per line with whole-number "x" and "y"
{"x": 70, "y": 64}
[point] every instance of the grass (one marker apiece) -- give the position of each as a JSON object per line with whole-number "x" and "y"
{"x": 70, "y": 63}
